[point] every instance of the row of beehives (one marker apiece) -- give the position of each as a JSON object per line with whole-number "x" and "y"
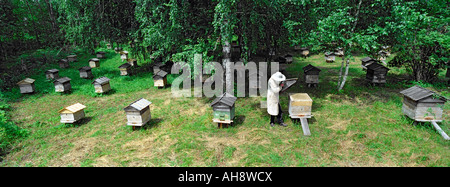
{"x": 101, "y": 85}
{"x": 375, "y": 72}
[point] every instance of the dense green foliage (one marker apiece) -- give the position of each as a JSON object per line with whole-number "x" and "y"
{"x": 176, "y": 29}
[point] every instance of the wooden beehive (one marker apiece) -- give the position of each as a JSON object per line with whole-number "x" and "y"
{"x": 138, "y": 112}
{"x": 94, "y": 63}
{"x": 132, "y": 62}
{"x": 72, "y": 113}
{"x": 223, "y": 109}
{"x": 339, "y": 52}
{"x": 330, "y": 57}
{"x": 125, "y": 69}
{"x": 124, "y": 55}
{"x": 160, "y": 79}
{"x": 118, "y": 49}
{"x": 63, "y": 63}
{"x": 311, "y": 75}
{"x": 304, "y": 51}
{"x": 52, "y": 74}
{"x": 62, "y": 84}
{"x": 102, "y": 85}
{"x": 422, "y": 105}
{"x": 367, "y": 61}
{"x": 86, "y": 72}
{"x": 101, "y": 54}
{"x": 382, "y": 55}
{"x": 72, "y": 58}
{"x": 26, "y": 86}
{"x": 300, "y": 105}
{"x": 376, "y": 73}
{"x": 289, "y": 58}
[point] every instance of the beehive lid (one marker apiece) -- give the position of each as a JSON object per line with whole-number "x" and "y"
{"x": 329, "y": 54}
{"x": 94, "y": 59}
{"x": 63, "y": 61}
{"x": 160, "y": 73}
{"x": 367, "y": 59}
{"x": 417, "y": 93}
{"x": 85, "y": 68}
{"x": 300, "y": 99}
{"x": 226, "y": 99}
{"x": 62, "y": 80}
{"x": 72, "y": 108}
{"x": 376, "y": 66}
{"x": 138, "y": 105}
{"x": 310, "y": 67}
{"x": 123, "y": 52}
{"x": 26, "y": 81}
{"x": 71, "y": 56}
{"x": 101, "y": 52}
{"x": 126, "y": 65}
{"x": 101, "y": 80}
{"x": 52, "y": 71}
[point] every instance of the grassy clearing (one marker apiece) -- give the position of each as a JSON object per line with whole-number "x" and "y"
{"x": 362, "y": 126}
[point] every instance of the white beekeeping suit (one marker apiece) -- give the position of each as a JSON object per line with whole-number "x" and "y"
{"x": 273, "y": 91}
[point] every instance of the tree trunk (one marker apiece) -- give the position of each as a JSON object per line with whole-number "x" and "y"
{"x": 340, "y": 73}
{"x": 344, "y": 79}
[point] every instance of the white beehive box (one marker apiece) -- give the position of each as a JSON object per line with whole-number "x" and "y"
{"x": 300, "y": 105}
{"x": 26, "y": 86}
{"x": 72, "y": 113}
{"x": 138, "y": 112}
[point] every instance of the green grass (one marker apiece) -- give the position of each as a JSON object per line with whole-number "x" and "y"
{"x": 360, "y": 126}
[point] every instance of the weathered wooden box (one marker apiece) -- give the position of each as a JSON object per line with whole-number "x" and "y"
{"x": 101, "y": 54}
{"x": 124, "y": 55}
{"x": 125, "y": 69}
{"x": 330, "y": 57}
{"x": 223, "y": 109}
{"x": 94, "y": 62}
{"x": 422, "y": 105}
{"x": 86, "y": 72}
{"x": 304, "y": 51}
{"x": 102, "y": 85}
{"x": 339, "y": 52}
{"x": 72, "y": 58}
{"x": 311, "y": 75}
{"x": 72, "y": 113}
{"x": 26, "y": 86}
{"x": 62, "y": 84}
{"x": 300, "y": 105}
{"x": 138, "y": 112}
{"x": 63, "y": 63}
{"x": 52, "y": 74}
{"x": 160, "y": 79}
{"x": 366, "y": 62}
{"x": 376, "y": 73}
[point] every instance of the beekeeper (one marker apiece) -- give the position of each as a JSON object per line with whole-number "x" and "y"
{"x": 275, "y": 85}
